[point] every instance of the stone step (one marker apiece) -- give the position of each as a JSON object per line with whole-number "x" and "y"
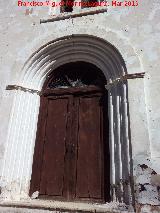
{"x": 46, "y": 206}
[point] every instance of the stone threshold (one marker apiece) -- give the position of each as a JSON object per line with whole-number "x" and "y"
{"x": 61, "y": 206}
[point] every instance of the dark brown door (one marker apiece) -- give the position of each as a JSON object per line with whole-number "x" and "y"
{"x": 70, "y": 156}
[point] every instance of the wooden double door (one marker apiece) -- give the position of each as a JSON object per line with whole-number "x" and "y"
{"x": 70, "y": 160}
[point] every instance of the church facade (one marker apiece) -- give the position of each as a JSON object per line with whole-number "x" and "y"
{"x": 79, "y": 106}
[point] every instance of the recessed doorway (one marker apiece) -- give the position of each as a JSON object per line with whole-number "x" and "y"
{"x": 71, "y": 158}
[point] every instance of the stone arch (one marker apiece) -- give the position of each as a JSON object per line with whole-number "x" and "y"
{"x": 68, "y": 49}
{"x": 17, "y": 165}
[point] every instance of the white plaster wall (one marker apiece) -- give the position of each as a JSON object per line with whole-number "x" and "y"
{"x": 134, "y": 29}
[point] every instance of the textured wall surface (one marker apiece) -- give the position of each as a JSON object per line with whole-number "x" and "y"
{"x": 135, "y": 32}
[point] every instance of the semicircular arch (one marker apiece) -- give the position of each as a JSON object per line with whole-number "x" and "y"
{"x": 70, "y": 49}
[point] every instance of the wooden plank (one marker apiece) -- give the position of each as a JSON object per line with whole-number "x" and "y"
{"x": 89, "y": 162}
{"x": 38, "y": 151}
{"x": 54, "y": 149}
{"x": 71, "y": 151}
{"x": 71, "y": 90}
{"x": 106, "y": 156}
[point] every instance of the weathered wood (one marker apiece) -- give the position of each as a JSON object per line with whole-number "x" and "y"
{"x": 73, "y": 15}
{"x": 71, "y": 151}
{"x": 54, "y": 150}
{"x": 71, "y": 90}
{"x": 89, "y": 163}
{"x": 38, "y": 151}
{"x": 70, "y": 159}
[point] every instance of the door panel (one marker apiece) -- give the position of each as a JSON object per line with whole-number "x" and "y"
{"x": 89, "y": 162}
{"x": 54, "y": 148}
{"x": 71, "y": 157}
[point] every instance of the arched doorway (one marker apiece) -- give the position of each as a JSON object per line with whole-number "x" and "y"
{"x": 25, "y": 110}
{"x": 71, "y": 157}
